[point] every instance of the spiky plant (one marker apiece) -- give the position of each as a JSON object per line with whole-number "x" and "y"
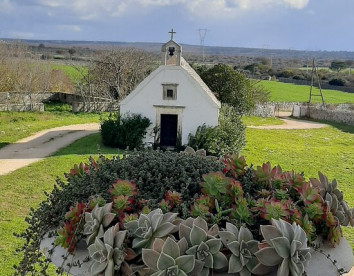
{"x": 96, "y": 221}
{"x": 286, "y": 247}
{"x": 203, "y": 243}
{"x": 242, "y": 247}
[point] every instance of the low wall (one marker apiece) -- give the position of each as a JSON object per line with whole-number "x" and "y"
{"x": 22, "y": 107}
{"x": 263, "y": 110}
{"x": 95, "y": 107}
{"x": 342, "y": 113}
{"x": 38, "y": 97}
{"x": 25, "y": 98}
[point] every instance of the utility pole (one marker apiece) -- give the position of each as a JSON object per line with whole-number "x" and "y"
{"x": 202, "y": 34}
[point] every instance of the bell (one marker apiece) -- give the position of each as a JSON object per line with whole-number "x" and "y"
{"x": 171, "y": 50}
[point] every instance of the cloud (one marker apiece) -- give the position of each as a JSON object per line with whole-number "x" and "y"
{"x": 5, "y": 6}
{"x": 93, "y": 9}
{"x": 23, "y": 35}
{"x": 70, "y": 28}
{"x": 297, "y": 4}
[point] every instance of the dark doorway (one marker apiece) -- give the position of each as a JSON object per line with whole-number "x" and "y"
{"x": 168, "y": 134}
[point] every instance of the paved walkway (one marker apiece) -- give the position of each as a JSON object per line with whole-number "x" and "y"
{"x": 41, "y": 145}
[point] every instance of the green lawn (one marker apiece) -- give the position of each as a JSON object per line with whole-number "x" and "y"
{"x": 17, "y": 125}
{"x": 74, "y": 73}
{"x": 330, "y": 150}
{"x": 287, "y": 92}
{"x": 258, "y": 121}
{"x": 24, "y": 188}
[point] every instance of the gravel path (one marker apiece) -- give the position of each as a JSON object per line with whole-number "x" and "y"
{"x": 41, "y": 145}
{"x": 290, "y": 123}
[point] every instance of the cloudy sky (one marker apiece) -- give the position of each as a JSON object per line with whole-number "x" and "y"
{"x": 277, "y": 24}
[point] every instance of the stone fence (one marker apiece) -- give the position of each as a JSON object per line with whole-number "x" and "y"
{"x": 22, "y": 107}
{"x": 22, "y": 101}
{"x": 341, "y": 113}
{"x": 95, "y": 106}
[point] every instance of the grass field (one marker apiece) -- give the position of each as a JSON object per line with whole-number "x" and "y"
{"x": 287, "y": 92}
{"x": 330, "y": 150}
{"x": 257, "y": 121}
{"x": 72, "y": 72}
{"x": 24, "y": 188}
{"x": 17, "y": 125}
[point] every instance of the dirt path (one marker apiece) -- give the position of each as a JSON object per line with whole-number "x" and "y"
{"x": 290, "y": 123}
{"x": 41, "y": 145}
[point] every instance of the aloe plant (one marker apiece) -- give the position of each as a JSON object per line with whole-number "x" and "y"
{"x": 167, "y": 258}
{"x": 108, "y": 255}
{"x": 151, "y": 226}
{"x": 242, "y": 246}
{"x": 203, "y": 243}
{"x": 95, "y": 222}
{"x": 286, "y": 248}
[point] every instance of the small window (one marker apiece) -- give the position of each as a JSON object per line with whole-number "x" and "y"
{"x": 169, "y": 91}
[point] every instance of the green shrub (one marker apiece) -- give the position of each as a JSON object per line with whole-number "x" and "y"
{"x": 124, "y": 132}
{"x": 228, "y": 136}
{"x": 202, "y": 137}
{"x": 153, "y": 172}
{"x": 55, "y": 106}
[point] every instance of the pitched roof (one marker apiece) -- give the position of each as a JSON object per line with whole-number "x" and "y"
{"x": 185, "y": 65}
{"x": 188, "y": 70}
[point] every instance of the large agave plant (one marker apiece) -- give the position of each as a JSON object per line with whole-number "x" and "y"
{"x": 96, "y": 221}
{"x": 242, "y": 246}
{"x": 203, "y": 243}
{"x": 167, "y": 258}
{"x": 334, "y": 199}
{"x": 108, "y": 255}
{"x": 151, "y": 226}
{"x": 286, "y": 248}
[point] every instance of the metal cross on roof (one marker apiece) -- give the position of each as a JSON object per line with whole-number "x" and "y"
{"x": 172, "y": 33}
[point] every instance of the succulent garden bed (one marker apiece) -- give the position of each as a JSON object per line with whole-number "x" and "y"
{"x": 154, "y": 213}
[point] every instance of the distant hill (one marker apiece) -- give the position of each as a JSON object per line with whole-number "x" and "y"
{"x": 196, "y": 49}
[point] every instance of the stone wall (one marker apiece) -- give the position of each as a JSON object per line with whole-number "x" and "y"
{"x": 95, "y": 107}
{"x": 39, "y": 97}
{"x": 263, "y": 110}
{"x": 342, "y": 113}
{"x": 22, "y": 107}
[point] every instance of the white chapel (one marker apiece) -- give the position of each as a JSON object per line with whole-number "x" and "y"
{"x": 174, "y": 98}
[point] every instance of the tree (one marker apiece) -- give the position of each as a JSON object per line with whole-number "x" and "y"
{"x": 20, "y": 72}
{"x": 71, "y": 52}
{"x": 230, "y": 87}
{"x": 338, "y": 65}
{"x": 112, "y": 75}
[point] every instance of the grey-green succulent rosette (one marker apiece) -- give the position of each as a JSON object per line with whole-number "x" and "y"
{"x": 151, "y": 226}
{"x": 286, "y": 247}
{"x": 108, "y": 255}
{"x": 96, "y": 221}
{"x": 242, "y": 247}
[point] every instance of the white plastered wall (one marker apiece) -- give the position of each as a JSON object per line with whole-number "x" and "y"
{"x": 193, "y": 106}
